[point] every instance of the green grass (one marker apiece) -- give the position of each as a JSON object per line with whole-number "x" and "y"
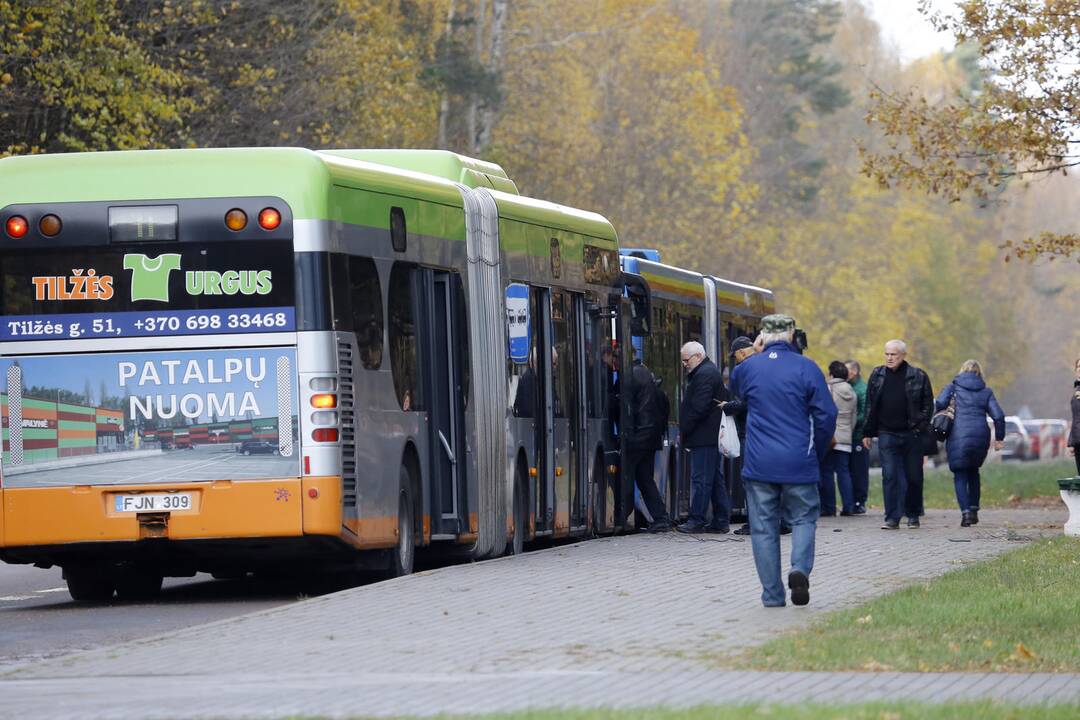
{"x": 1017, "y": 613}
{"x": 1003, "y": 484}
{"x": 864, "y": 711}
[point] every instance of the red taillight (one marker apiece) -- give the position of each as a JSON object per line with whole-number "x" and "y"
{"x": 269, "y": 219}
{"x": 324, "y": 434}
{"x": 313, "y": 493}
{"x": 324, "y": 401}
{"x": 17, "y": 226}
{"x": 307, "y": 464}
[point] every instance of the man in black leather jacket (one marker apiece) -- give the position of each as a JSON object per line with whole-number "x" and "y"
{"x": 899, "y": 405}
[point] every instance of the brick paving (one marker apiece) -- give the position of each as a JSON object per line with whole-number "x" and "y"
{"x": 618, "y": 622}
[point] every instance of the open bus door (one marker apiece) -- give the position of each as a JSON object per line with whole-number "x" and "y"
{"x": 634, "y": 319}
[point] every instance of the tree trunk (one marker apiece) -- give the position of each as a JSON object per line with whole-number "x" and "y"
{"x": 479, "y": 23}
{"x": 444, "y": 102}
{"x": 494, "y": 66}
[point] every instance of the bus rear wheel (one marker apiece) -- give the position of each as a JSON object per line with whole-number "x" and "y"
{"x": 89, "y": 585}
{"x": 402, "y": 557}
{"x": 138, "y": 584}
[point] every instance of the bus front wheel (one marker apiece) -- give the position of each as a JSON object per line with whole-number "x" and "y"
{"x": 89, "y": 585}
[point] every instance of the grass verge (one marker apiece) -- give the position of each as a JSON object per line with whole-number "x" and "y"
{"x": 1003, "y": 484}
{"x": 863, "y": 711}
{"x": 1016, "y": 613}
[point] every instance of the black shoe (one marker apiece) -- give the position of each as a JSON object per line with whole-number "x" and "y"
{"x": 800, "y": 587}
{"x": 860, "y": 509}
{"x": 828, "y": 514}
{"x": 718, "y": 529}
{"x": 744, "y": 530}
{"x": 974, "y": 516}
{"x": 965, "y": 519}
{"x": 891, "y": 525}
{"x": 690, "y": 528}
{"x": 913, "y": 522}
{"x": 660, "y": 526}
{"x": 785, "y": 529}
{"x": 847, "y": 513}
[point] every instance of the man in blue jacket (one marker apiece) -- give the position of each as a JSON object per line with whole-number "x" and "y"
{"x": 790, "y": 420}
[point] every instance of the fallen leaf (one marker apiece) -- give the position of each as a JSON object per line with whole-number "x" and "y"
{"x": 1023, "y": 653}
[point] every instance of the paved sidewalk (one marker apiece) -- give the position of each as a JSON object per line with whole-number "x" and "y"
{"x": 618, "y": 622}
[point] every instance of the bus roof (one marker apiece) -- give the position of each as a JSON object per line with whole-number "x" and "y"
{"x": 297, "y": 175}
{"x": 440, "y": 163}
{"x": 667, "y": 280}
{"x": 742, "y": 298}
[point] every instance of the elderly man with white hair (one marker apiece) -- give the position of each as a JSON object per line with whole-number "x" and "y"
{"x": 790, "y": 419}
{"x": 700, "y": 415}
{"x": 899, "y": 405}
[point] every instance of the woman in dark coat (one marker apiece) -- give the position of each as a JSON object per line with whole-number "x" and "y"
{"x": 1074, "y": 434}
{"x": 969, "y": 440}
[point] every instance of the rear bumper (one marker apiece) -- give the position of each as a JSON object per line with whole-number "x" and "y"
{"x": 247, "y": 509}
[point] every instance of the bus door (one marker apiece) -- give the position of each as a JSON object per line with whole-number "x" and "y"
{"x": 540, "y": 368}
{"x": 443, "y": 380}
{"x": 568, "y": 397}
{"x": 635, "y": 315}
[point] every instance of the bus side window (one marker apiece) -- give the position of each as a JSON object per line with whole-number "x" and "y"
{"x": 365, "y": 293}
{"x": 403, "y": 346}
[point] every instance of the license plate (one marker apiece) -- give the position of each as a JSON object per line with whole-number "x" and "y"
{"x": 153, "y": 502}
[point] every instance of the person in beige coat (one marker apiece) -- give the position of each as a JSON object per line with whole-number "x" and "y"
{"x": 835, "y": 471}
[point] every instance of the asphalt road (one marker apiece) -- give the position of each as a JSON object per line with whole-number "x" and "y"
{"x": 38, "y": 618}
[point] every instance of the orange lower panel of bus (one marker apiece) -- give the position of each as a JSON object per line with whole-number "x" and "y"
{"x": 286, "y": 507}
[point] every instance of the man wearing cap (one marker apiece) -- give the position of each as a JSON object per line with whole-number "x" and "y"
{"x": 790, "y": 420}
{"x": 899, "y": 405}
{"x": 699, "y": 427}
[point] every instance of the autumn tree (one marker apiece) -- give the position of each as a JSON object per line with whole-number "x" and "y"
{"x": 73, "y": 77}
{"x": 612, "y": 106}
{"x": 1017, "y": 125}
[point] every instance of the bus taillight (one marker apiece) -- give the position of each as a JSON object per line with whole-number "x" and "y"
{"x": 324, "y": 434}
{"x": 236, "y": 219}
{"x": 50, "y": 225}
{"x": 17, "y": 226}
{"x": 269, "y": 219}
{"x": 324, "y": 400}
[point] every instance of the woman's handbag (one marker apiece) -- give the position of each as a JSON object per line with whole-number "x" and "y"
{"x": 942, "y": 422}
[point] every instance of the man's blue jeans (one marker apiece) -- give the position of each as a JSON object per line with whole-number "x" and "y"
{"x": 798, "y": 506}
{"x": 901, "y": 467}
{"x": 836, "y": 464}
{"x": 968, "y": 488}
{"x": 859, "y": 465}
{"x": 707, "y": 485}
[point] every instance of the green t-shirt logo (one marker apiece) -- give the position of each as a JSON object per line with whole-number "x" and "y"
{"x": 150, "y": 276}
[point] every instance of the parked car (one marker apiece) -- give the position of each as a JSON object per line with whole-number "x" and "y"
{"x": 1017, "y": 440}
{"x": 1053, "y": 436}
{"x": 257, "y": 447}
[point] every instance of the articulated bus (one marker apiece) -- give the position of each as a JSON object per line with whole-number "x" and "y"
{"x": 687, "y": 306}
{"x": 247, "y": 359}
